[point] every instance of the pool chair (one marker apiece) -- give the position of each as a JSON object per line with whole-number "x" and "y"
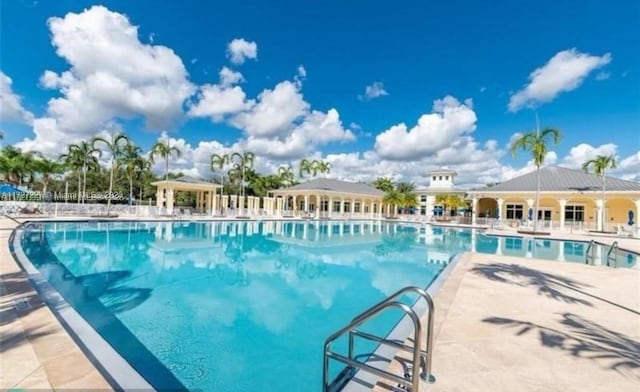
{"x": 624, "y": 231}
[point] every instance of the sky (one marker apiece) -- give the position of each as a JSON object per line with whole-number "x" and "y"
{"x": 375, "y": 89}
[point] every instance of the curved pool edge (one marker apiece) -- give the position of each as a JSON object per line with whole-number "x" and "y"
{"x": 111, "y": 365}
{"x": 363, "y": 381}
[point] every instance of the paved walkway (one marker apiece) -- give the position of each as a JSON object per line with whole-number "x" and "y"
{"x": 35, "y": 351}
{"x": 531, "y": 325}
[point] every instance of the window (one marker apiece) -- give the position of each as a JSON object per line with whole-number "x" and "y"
{"x": 433, "y": 178}
{"x": 514, "y": 211}
{"x": 440, "y": 178}
{"x": 423, "y": 198}
{"x": 423, "y": 210}
{"x": 574, "y": 213}
{"x": 446, "y": 178}
{"x": 438, "y": 210}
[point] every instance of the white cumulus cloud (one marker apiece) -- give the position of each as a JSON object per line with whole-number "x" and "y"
{"x": 238, "y": 50}
{"x": 449, "y": 120}
{"x": 373, "y": 91}
{"x": 565, "y": 71}
{"x": 583, "y": 152}
{"x": 275, "y": 111}
{"x": 112, "y": 76}
{"x": 10, "y": 103}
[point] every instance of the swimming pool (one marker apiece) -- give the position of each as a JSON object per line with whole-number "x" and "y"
{"x": 244, "y": 306}
{"x": 228, "y": 306}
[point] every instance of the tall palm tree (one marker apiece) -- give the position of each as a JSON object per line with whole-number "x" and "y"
{"x": 323, "y": 167}
{"x": 537, "y": 143}
{"x": 245, "y": 161}
{"x": 85, "y": 153}
{"x": 286, "y": 175}
{"x": 131, "y": 159}
{"x": 309, "y": 166}
{"x": 600, "y": 164}
{"x": 165, "y": 151}
{"x": 46, "y": 168}
{"x": 115, "y": 146}
{"x": 409, "y": 197}
{"x": 74, "y": 161}
{"x": 219, "y": 161}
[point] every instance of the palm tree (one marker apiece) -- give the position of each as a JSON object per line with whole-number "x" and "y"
{"x": 74, "y": 161}
{"x": 323, "y": 167}
{"x": 308, "y": 166}
{"x": 131, "y": 158}
{"x": 85, "y": 155}
{"x": 286, "y": 175}
{"x": 116, "y": 147}
{"x": 407, "y": 195}
{"x": 46, "y": 168}
{"x": 219, "y": 161}
{"x": 600, "y": 164}
{"x": 393, "y": 197}
{"x": 384, "y": 184}
{"x": 537, "y": 143}
{"x": 245, "y": 161}
{"x": 450, "y": 202}
{"x": 164, "y": 151}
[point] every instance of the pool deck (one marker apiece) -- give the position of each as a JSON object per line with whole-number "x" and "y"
{"x": 35, "y": 350}
{"x": 502, "y": 324}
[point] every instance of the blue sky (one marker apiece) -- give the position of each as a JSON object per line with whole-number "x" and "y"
{"x": 323, "y": 58}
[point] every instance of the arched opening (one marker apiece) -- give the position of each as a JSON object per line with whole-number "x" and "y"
{"x": 487, "y": 207}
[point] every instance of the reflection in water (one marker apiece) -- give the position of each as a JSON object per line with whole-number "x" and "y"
{"x": 202, "y": 295}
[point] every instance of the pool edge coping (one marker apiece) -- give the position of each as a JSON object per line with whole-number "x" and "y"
{"x": 118, "y": 373}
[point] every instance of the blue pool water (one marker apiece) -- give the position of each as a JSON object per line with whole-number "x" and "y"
{"x": 245, "y": 306}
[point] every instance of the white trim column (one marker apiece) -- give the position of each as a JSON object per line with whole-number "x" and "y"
{"x": 637, "y": 218}
{"x": 330, "y": 209}
{"x": 474, "y": 213}
{"x": 563, "y": 206}
{"x": 306, "y": 203}
{"x": 500, "y": 202}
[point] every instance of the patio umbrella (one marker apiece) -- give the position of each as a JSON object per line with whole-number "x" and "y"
{"x": 530, "y": 213}
{"x": 8, "y": 190}
{"x": 631, "y": 222}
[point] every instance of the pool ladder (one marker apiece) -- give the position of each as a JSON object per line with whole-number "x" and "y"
{"x": 421, "y": 359}
{"x": 590, "y": 253}
{"x": 612, "y": 253}
{"x": 612, "y": 250}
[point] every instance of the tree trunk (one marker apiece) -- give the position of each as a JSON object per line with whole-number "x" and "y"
{"x": 535, "y": 213}
{"x": 221, "y": 193}
{"x": 604, "y": 187}
{"x": 84, "y": 186}
{"x": 110, "y": 189}
{"x": 130, "y": 190}
{"x": 79, "y": 186}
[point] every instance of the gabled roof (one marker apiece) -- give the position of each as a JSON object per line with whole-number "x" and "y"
{"x": 561, "y": 179}
{"x": 326, "y": 184}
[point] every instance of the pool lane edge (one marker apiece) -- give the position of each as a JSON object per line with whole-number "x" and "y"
{"x": 111, "y": 365}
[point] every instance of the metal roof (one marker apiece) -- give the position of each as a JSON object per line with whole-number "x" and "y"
{"x": 326, "y": 184}
{"x": 561, "y": 179}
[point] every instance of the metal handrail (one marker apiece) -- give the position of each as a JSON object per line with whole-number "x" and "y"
{"x": 614, "y": 247}
{"x": 589, "y": 253}
{"x": 421, "y": 357}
